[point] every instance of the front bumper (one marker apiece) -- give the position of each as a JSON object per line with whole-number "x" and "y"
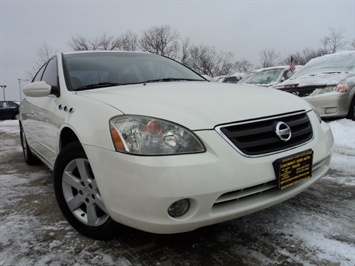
{"x": 330, "y": 104}
{"x": 138, "y": 190}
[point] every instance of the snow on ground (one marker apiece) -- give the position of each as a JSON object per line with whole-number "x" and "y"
{"x": 344, "y": 150}
{"x": 9, "y": 126}
{"x": 309, "y": 239}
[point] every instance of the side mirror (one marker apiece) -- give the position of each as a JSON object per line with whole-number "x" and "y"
{"x": 37, "y": 89}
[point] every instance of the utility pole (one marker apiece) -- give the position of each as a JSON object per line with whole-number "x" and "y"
{"x": 3, "y": 90}
{"x": 19, "y": 88}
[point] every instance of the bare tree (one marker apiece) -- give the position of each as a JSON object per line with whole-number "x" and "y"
{"x": 80, "y": 43}
{"x": 103, "y": 42}
{"x": 269, "y": 57}
{"x": 185, "y": 51}
{"x": 225, "y": 64}
{"x": 243, "y": 66}
{"x": 161, "y": 40}
{"x": 43, "y": 54}
{"x": 353, "y": 44}
{"x": 128, "y": 41}
{"x": 107, "y": 42}
{"x": 334, "y": 41}
{"x": 301, "y": 58}
{"x": 206, "y": 61}
{"x": 308, "y": 54}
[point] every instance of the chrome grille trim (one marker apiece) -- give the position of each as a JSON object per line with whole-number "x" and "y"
{"x": 256, "y": 138}
{"x": 243, "y": 193}
{"x": 241, "y": 196}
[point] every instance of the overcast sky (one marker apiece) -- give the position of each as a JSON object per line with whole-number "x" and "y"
{"x": 244, "y": 28}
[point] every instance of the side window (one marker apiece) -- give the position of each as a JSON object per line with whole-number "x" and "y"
{"x": 231, "y": 80}
{"x": 50, "y": 74}
{"x": 289, "y": 74}
{"x": 12, "y": 105}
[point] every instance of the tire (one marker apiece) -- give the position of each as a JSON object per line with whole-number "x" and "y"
{"x": 78, "y": 196}
{"x": 29, "y": 157}
{"x": 351, "y": 114}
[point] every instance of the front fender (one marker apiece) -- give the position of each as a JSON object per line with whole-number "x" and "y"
{"x": 88, "y": 119}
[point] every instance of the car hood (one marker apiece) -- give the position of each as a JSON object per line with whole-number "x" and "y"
{"x": 316, "y": 79}
{"x": 198, "y": 105}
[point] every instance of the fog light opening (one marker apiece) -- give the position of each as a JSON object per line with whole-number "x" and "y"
{"x": 179, "y": 208}
{"x": 331, "y": 110}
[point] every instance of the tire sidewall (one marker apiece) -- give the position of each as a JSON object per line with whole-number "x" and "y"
{"x": 71, "y": 152}
{"x": 29, "y": 157}
{"x": 351, "y": 114}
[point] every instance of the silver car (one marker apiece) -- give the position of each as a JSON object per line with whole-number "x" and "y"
{"x": 328, "y": 83}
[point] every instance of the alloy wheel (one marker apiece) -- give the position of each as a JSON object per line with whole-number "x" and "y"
{"x": 81, "y": 193}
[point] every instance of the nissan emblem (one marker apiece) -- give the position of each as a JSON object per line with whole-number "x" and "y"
{"x": 283, "y": 131}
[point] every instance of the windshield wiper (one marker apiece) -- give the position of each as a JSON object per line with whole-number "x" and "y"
{"x": 170, "y": 80}
{"x": 97, "y": 85}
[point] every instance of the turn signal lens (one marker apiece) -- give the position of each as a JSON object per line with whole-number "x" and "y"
{"x": 117, "y": 141}
{"x": 342, "y": 88}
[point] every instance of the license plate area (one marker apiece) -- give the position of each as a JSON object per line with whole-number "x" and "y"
{"x": 293, "y": 169}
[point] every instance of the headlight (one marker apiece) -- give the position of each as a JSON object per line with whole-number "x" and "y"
{"x": 327, "y": 89}
{"x": 339, "y": 88}
{"x": 151, "y": 136}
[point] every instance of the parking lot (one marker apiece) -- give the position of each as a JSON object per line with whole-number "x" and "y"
{"x": 314, "y": 228}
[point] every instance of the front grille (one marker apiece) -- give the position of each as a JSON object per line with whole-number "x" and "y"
{"x": 258, "y": 137}
{"x": 301, "y": 91}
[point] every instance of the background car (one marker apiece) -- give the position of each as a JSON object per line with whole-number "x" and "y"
{"x": 268, "y": 77}
{"x": 234, "y": 78}
{"x": 328, "y": 83}
{"x": 9, "y": 110}
{"x": 142, "y": 140}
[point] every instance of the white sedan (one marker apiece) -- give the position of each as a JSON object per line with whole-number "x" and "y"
{"x": 269, "y": 76}
{"x": 141, "y": 140}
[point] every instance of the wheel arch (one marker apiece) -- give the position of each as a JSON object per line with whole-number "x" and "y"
{"x": 67, "y": 136}
{"x": 71, "y": 152}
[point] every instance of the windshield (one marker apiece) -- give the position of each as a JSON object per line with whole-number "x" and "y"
{"x": 263, "y": 77}
{"x": 104, "y": 69}
{"x": 339, "y": 62}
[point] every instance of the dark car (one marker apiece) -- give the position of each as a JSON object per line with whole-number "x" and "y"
{"x": 230, "y": 78}
{"x": 9, "y": 110}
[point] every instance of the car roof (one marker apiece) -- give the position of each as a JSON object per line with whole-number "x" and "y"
{"x": 104, "y": 51}
{"x": 268, "y": 68}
